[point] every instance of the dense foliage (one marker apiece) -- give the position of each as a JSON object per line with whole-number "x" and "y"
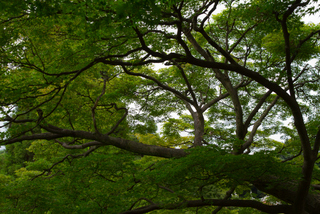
{"x": 153, "y": 106}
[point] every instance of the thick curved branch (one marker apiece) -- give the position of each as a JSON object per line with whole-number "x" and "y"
{"x": 224, "y": 79}
{"x": 292, "y": 103}
{"x": 43, "y": 136}
{"x": 121, "y": 143}
{"x": 154, "y": 53}
{"x": 215, "y": 202}
{"x": 286, "y": 37}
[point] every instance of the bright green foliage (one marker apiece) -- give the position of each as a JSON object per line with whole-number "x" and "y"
{"x": 91, "y": 124}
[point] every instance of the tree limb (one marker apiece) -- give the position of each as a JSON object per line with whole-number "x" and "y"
{"x": 216, "y": 202}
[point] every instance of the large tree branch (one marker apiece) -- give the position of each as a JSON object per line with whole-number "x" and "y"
{"x": 105, "y": 139}
{"x": 42, "y": 136}
{"x": 292, "y": 103}
{"x": 215, "y": 202}
{"x": 224, "y": 79}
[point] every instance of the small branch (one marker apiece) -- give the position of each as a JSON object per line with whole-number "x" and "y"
{"x": 49, "y": 170}
{"x": 257, "y": 124}
{"x": 12, "y": 18}
{"x": 209, "y": 13}
{"x": 166, "y": 188}
{"x": 165, "y": 87}
{"x": 226, "y": 197}
{"x": 81, "y": 146}
{"x": 288, "y": 159}
{"x": 187, "y": 82}
{"x": 96, "y": 104}
{"x": 240, "y": 39}
{"x": 66, "y": 158}
{"x": 214, "y": 101}
{"x": 302, "y": 42}
{"x": 140, "y": 199}
{"x": 122, "y": 118}
{"x": 256, "y": 109}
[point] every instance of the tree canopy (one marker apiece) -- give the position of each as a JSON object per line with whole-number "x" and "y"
{"x": 153, "y": 106}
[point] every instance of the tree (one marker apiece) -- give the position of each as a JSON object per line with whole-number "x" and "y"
{"x": 78, "y": 81}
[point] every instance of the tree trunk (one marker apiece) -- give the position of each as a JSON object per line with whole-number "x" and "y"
{"x": 198, "y": 128}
